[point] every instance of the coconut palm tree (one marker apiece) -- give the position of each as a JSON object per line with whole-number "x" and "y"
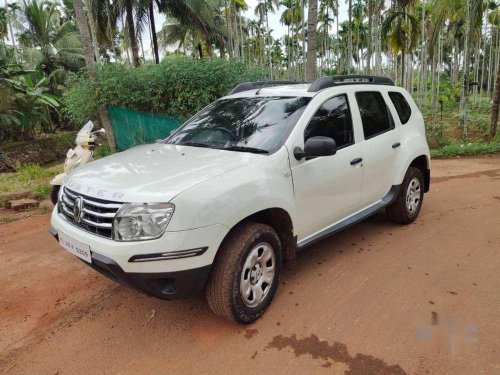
{"x": 82, "y": 22}
{"x": 47, "y": 40}
{"x": 263, "y": 8}
{"x": 312, "y": 25}
{"x": 495, "y": 107}
{"x": 401, "y": 30}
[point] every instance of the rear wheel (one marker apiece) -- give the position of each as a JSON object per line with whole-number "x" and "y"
{"x": 246, "y": 273}
{"x": 410, "y": 198}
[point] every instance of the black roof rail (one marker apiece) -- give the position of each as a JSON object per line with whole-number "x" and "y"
{"x": 245, "y": 86}
{"x": 330, "y": 81}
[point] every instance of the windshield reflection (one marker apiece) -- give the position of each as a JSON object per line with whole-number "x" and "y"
{"x": 258, "y": 124}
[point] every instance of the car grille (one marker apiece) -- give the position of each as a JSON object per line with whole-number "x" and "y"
{"x": 91, "y": 214}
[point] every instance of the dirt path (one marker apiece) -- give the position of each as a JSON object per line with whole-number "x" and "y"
{"x": 375, "y": 299}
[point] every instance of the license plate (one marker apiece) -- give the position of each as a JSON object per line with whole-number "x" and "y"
{"x": 75, "y": 247}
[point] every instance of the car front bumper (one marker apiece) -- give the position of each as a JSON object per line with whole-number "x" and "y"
{"x": 171, "y": 278}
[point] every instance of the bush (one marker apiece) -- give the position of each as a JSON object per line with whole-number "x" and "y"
{"x": 80, "y": 102}
{"x": 178, "y": 87}
{"x": 456, "y": 148}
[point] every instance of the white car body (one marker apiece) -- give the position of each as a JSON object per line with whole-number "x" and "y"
{"x": 213, "y": 190}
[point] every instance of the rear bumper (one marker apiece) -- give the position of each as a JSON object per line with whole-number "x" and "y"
{"x": 165, "y": 285}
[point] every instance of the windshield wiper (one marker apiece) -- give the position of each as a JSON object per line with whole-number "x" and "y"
{"x": 246, "y": 149}
{"x": 194, "y": 144}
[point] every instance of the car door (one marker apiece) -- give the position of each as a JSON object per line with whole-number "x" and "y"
{"x": 381, "y": 146}
{"x": 327, "y": 188}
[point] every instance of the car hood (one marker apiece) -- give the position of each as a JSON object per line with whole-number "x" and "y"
{"x": 153, "y": 173}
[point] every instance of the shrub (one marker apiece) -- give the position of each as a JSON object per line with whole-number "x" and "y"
{"x": 80, "y": 102}
{"x": 456, "y": 148}
{"x": 178, "y": 87}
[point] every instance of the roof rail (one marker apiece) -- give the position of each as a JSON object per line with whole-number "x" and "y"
{"x": 330, "y": 81}
{"x": 245, "y": 86}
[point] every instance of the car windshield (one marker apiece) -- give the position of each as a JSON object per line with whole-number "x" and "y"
{"x": 255, "y": 124}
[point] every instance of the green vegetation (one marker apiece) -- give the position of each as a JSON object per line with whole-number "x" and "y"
{"x": 455, "y": 148}
{"x": 178, "y": 87}
{"x": 62, "y": 62}
{"x": 29, "y": 177}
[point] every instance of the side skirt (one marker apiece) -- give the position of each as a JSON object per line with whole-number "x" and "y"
{"x": 389, "y": 198}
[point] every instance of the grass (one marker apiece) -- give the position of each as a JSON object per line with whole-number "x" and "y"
{"x": 456, "y": 148}
{"x": 29, "y": 177}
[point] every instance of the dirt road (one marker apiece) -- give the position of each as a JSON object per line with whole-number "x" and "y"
{"x": 375, "y": 299}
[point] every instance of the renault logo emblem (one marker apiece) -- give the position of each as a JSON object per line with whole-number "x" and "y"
{"x": 78, "y": 209}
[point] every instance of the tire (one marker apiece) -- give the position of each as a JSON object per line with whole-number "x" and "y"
{"x": 400, "y": 212}
{"x": 54, "y": 193}
{"x": 231, "y": 273}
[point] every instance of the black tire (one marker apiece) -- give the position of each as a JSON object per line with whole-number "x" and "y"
{"x": 54, "y": 193}
{"x": 398, "y": 211}
{"x": 223, "y": 288}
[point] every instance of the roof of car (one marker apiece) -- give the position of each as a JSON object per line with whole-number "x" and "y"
{"x": 307, "y": 89}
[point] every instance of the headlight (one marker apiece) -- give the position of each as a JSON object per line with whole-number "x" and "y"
{"x": 142, "y": 221}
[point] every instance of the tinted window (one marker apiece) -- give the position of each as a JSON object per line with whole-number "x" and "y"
{"x": 333, "y": 120}
{"x": 374, "y": 114}
{"x": 402, "y": 106}
{"x": 255, "y": 122}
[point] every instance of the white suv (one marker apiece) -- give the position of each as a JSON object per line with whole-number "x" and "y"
{"x": 240, "y": 187}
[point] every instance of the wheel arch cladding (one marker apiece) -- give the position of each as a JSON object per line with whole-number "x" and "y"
{"x": 281, "y": 221}
{"x": 421, "y": 162}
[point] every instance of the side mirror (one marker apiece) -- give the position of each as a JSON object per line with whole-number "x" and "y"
{"x": 316, "y": 147}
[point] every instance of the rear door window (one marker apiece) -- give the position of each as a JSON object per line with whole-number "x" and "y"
{"x": 402, "y": 106}
{"x": 375, "y": 116}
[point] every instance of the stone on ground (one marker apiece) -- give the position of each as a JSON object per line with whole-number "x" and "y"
{"x": 23, "y": 204}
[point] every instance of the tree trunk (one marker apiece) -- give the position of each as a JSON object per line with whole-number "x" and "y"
{"x": 403, "y": 63}
{"x": 465, "y": 78}
{"x": 494, "y": 107}
{"x": 131, "y": 32}
{"x": 89, "y": 60}
{"x": 242, "y": 42}
{"x": 200, "y": 50}
{"x": 93, "y": 32}
{"x": 81, "y": 19}
{"x": 349, "y": 48}
{"x": 12, "y": 36}
{"x": 154, "y": 40}
{"x": 312, "y": 22}
{"x": 369, "y": 36}
{"x": 304, "y": 34}
{"x": 268, "y": 35}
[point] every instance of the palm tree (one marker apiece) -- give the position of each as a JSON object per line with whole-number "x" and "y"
{"x": 494, "y": 107}
{"x": 349, "y": 48}
{"x": 48, "y": 40}
{"x": 263, "y": 8}
{"x": 401, "y": 31}
{"x": 11, "y": 15}
{"x": 312, "y": 24}
{"x": 82, "y": 22}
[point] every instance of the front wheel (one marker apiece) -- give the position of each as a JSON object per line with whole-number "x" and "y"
{"x": 246, "y": 273}
{"x": 410, "y": 198}
{"x": 54, "y": 193}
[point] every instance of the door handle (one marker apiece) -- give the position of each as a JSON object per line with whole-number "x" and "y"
{"x": 396, "y": 145}
{"x": 356, "y": 161}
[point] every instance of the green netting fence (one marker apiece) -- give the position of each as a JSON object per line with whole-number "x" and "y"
{"x": 133, "y": 128}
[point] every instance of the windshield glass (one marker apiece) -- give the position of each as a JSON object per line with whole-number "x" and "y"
{"x": 258, "y": 124}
